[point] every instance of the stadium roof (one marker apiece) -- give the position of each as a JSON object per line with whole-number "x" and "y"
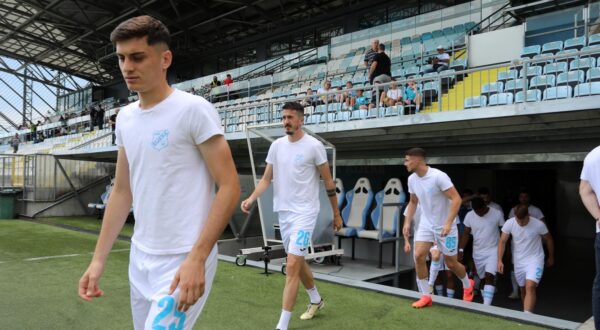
{"x": 73, "y": 35}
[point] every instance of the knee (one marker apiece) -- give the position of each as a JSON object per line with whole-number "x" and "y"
{"x": 293, "y": 265}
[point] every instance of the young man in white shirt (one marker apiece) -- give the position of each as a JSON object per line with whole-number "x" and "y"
{"x": 534, "y": 211}
{"x": 439, "y": 201}
{"x": 171, "y": 154}
{"x": 589, "y": 190}
{"x": 484, "y": 223}
{"x": 527, "y": 233}
{"x": 294, "y": 164}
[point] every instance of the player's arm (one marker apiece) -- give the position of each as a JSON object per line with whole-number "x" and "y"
{"x": 455, "y": 202}
{"x": 549, "y": 242}
{"x": 190, "y": 276}
{"x": 410, "y": 213}
{"x": 589, "y": 199}
{"x": 117, "y": 210}
{"x": 501, "y": 246}
{"x": 330, "y": 189}
{"x": 261, "y": 187}
{"x": 464, "y": 239}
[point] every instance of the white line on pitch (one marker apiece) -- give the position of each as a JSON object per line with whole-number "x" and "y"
{"x": 68, "y": 255}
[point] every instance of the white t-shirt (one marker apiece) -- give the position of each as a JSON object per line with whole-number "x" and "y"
{"x": 591, "y": 173}
{"x": 485, "y": 231}
{"x": 295, "y": 173}
{"x": 534, "y": 211}
{"x": 171, "y": 186}
{"x": 497, "y": 207}
{"x": 443, "y": 56}
{"x": 526, "y": 240}
{"x": 394, "y": 94}
{"x": 429, "y": 189}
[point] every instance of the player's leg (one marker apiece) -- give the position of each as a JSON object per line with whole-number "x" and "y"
{"x": 533, "y": 276}
{"x": 164, "y": 312}
{"x": 448, "y": 245}
{"x": 434, "y": 269}
{"x": 520, "y": 275}
{"x": 489, "y": 266}
{"x": 422, "y": 248}
{"x": 450, "y": 285}
{"x": 139, "y": 289}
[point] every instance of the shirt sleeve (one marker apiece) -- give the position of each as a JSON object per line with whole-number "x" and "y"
{"x": 507, "y": 227}
{"x": 542, "y": 229}
{"x": 204, "y": 122}
{"x": 501, "y": 221}
{"x": 511, "y": 213}
{"x": 409, "y": 184}
{"x": 118, "y": 137}
{"x": 467, "y": 221}
{"x": 444, "y": 182}
{"x": 320, "y": 154}
{"x": 271, "y": 154}
{"x": 585, "y": 172}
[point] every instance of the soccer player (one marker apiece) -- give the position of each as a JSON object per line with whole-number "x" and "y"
{"x": 527, "y": 233}
{"x": 171, "y": 154}
{"x": 294, "y": 164}
{"x": 438, "y": 264}
{"x": 439, "y": 201}
{"x": 484, "y": 223}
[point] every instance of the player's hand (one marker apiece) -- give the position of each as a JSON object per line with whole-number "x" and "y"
{"x": 500, "y": 267}
{"x": 406, "y": 247}
{"x": 247, "y": 205}
{"x": 446, "y": 229}
{"x": 337, "y": 222}
{"x": 88, "y": 284}
{"x": 190, "y": 280}
{"x": 550, "y": 262}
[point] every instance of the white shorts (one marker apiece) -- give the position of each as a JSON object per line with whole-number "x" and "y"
{"x": 448, "y": 244}
{"x": 150, "y": 277}
{"x": 486, "y": 264}
{"x": 532, "y": 271}
{"x": 296, "y": 231}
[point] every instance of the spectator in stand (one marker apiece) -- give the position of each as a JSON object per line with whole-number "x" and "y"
{"x": 392, "y": 97}
{"x": 215, "y": 82}
{"x": 228, "y": 81}
{"x": 93, "y": 116}
{"x": 113, "y": 125}
{"x": 371, "y": 53}
{"x": 412, "y": 96}
{"x": 361, "y": 102}
{"x": 310, "y": 99}
{"x": 349, "y": 96}
{"x": 15, "y": 143}
{"x": 380, "y": 69}
{"x": 440, "y": 62}
{"x": 326, "y": 88}
{"x": 100, "y": 117}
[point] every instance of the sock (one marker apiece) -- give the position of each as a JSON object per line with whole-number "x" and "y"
{"x": 465, "y": 282}
{"x": 424, "y": 284}
{"x": 439, "y": 290}
{"x": 450, "y": 293}
{"x": 433, "y": 271}
{"x": 513, "y": 280}
{"x": 284, "y": 319}
{"x": 488, "y": 294}
{"x": 314, "y": 296}
{"x": 527, "y": 312}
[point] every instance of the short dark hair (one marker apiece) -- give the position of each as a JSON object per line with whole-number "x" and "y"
{"x": 381, "y": 46}
{"x": 293, "y": 106}
{"x": 477, "y": 203}
{"x": 467, "y": 191}
{"x": 139, "y": 27}
{"x": 419, "y": 152}
{"x": 483, "y": 191}
{"x": 521, "y": 211}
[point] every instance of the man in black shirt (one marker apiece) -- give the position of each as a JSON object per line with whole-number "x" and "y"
{"x": 380, "y": 70}
{"x": 100, "y": 117}
{"x": 112, "y": 120}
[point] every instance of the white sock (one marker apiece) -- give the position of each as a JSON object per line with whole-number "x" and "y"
{"x": 515, "y": 285}
{"x": 284, "y": 319}
{"x": 488, "y": 294}
{"x": 314, "y": 296}
{"x": 450, "y": 293}
{"x": 465, "y": 282}
{"x": 527, "y": 312}
{"x": 434, "y": 270}
{"x": 424, "y": 284}
{"x": 439, "y": 290}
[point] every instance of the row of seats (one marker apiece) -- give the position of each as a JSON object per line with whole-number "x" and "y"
{"x": 534, "y": 95}
{"x": 571, "y": 78}
{"x": 553, "y": 47}
{"x": 357, "y": 202}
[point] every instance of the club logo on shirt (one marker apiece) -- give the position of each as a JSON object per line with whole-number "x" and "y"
{"x": 160, "y": 139}
{"x": 299, "y": 159}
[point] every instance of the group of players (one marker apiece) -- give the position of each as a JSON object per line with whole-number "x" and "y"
{"x": 434, "y": 206}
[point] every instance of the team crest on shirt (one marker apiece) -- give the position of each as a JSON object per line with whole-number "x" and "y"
{"x": 299, "y": 159}
{"x": 160, "y": 139}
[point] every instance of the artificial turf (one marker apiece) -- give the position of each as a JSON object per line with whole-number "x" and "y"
{"x": 42, "y": 294}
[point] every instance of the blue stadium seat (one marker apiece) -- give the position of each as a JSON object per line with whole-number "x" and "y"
{"x": 375, "y": 113}
{"x": 516, "y": 85}
{"x": 593, "y": 74}
{"x": 559, "y": 92}
{"x": 556, "y": 68}
{"x": 411, "y": 71}
{"x": 531, "y": 71}
{"x": 572, "y": 52}
{"x": 354, "y": 215}
{"x": 470, "y": 25}
{"x": 459, "y": 64}
{"x": 495, "y": 87}
{"x": 591, "y": 88}
{"x": 533, "y": 95}
{"x": 405, "y": 41}
{"x": 459, "y": 28}
{"x": 542, "y": 82}
{"x": 425, "y": 68}
{"x": 594, "y": 39}
{"x": 552, "y": 47}
{"x": 530, "y": 51}
{"x": 583, "y": 63}
{"x": 392, "y": 111}
{"x": 507, "y": 75}
{"x": 475, "y": 102}
{"x": 313, "y": 119}
{"x": 594, "y": 49}
{"x": 570, "y": 78}
{"x": 359, "y": 114}
{"x": 437, "y": 34}
{"x": 577, "y": 43}
{"x": 448, "y": 31}
{"x": 501, "y": 99}
{"x": 328, "y": 117}
{"x": 342, "y": 116}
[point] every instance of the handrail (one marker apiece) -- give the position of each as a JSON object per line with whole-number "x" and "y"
{"x": 91, "y": 141}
